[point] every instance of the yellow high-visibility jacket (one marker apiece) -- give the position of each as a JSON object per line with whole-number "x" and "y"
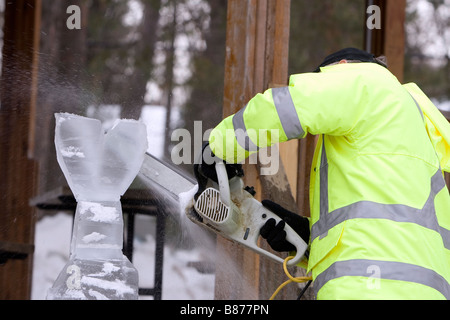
{"x": 380, "y": 209}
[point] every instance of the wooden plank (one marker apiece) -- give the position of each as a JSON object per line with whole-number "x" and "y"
{"x": 277, "y": 187}
{"x": 34, "y": 80}
{"x": 277, "y": 69}
{"x": 275, "y": 66}
{"x": 256, "y": 56}
{"x": 10, "y": 250}
{"x": 289, "y": 154}
{"x": 18, "y": 171}
{"x": 390, "y": 39}
{"x": 231, "y": 281}
{"x": 394, "y": 43}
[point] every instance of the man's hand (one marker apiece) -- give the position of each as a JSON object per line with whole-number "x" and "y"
{"x": 207, "y": 165}
{"x": 276, "y": 235}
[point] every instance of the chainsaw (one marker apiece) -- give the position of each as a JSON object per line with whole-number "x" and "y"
{"x": 228, "y": 208}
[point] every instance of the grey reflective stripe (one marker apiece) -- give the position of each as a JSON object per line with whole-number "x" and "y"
{"x": 418, "y": 106}
{"x": 389, "y": 270}
{"x": 444, "y": 232}
{"x": 323, "y": 187}
{"x": 287, "y": 113}
{"x": 240, "y": 132}
{"x": 425, "y": 217}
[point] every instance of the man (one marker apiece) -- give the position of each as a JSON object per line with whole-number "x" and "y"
{"x": 380, "y": 209}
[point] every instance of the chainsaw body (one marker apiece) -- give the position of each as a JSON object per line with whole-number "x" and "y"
{"x": 230, "y": 210}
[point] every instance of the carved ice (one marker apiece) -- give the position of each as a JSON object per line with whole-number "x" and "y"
{"x": 99, "y": 167}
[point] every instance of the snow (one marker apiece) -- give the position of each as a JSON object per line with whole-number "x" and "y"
{"x": 442, "y": 105}
{"x": 100, "y": 212}
{"x": 118, "y": 286}
{"x": 186, "y": 199}
{"x": 180, "y": 281}
{"x": 72, "y": 151}
{"x": 93, "y": 237}
{"x": 154, "y": 118}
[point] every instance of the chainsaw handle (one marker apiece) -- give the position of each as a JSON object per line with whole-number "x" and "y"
{"x": 291, "y": 236}
{"x": 253, "y": 219}
{"x": 224, "y": 184}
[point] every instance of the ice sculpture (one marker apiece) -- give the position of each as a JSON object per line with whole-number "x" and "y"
{"x": 99, "y": 167}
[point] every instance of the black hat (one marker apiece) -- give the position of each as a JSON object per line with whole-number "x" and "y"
{"x": 348, "y": 54}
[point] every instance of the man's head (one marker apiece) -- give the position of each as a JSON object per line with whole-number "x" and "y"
{"x": 351, "y": 55}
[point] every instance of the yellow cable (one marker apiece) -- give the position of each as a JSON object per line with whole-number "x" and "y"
{"x": 279, "y": 288}
{"x": 291, "y": 278}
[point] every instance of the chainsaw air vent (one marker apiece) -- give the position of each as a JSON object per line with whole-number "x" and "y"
{"x": 211, "y": 207}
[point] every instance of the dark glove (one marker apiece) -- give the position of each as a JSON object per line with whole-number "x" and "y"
{"x": 207, "y": 165}
{"x": 274, "y": 233}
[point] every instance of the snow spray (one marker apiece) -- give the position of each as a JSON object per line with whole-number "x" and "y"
{"x": 99, "y": 167}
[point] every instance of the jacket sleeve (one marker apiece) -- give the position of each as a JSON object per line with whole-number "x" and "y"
{"x": 315, "y": 103}
{"x": 437, "y": 126}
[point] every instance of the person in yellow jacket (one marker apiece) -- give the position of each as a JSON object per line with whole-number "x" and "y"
{"x": 380, "y": 208}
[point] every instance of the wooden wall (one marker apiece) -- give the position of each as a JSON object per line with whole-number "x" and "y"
{"x": 17, "y": 168}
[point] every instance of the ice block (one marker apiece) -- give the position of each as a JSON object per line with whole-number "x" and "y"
{"x": 99, "y": 167}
